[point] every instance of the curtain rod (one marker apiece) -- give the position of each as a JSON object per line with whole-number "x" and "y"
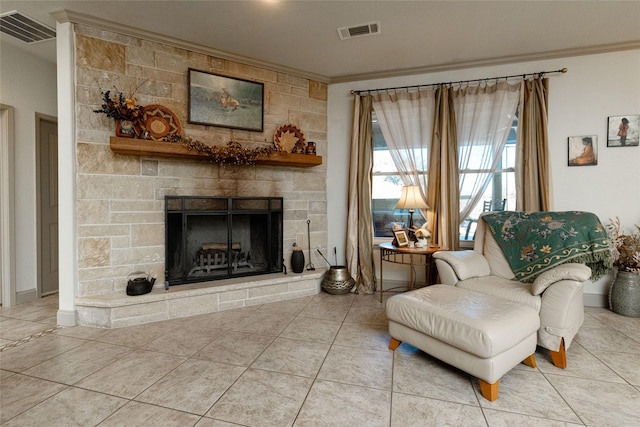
{"x": 524, "y": 76}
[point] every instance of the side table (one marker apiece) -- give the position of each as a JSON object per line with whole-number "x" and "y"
{"x": 409, "y": 256}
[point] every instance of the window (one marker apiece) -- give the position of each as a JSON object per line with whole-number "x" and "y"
{"x": 501, "y": 191}
{"x": 386, "y": 189}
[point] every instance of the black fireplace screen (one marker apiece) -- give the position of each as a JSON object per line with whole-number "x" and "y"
{"x": 211, "y": 238}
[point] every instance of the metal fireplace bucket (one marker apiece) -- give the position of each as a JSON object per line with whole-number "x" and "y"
{"x": 337, "y": 280}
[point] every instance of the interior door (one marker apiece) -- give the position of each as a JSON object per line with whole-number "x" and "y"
{"x": 48, "y": 201}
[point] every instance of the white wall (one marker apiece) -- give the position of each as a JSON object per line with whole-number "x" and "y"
{"x": 595, "y": 87}
{"x": 29, "y": 85}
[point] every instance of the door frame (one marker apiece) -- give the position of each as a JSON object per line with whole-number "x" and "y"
{"x": 39, "y": 118}
{"x": 7, "y": 209}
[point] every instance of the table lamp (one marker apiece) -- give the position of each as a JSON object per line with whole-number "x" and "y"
{"x": 411, "y": 199}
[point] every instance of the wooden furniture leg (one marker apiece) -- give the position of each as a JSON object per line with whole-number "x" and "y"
{"x": 530, "y": 361}
{"x": 559, "y": 358}
{"x": 394, "y": 343}
{"x": 489, "y": 391}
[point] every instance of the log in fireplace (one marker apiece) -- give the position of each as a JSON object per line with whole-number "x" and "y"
{"x": 212, "y": 238}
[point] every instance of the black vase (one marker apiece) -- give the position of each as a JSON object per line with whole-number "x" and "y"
{"x": 297, "y": 261}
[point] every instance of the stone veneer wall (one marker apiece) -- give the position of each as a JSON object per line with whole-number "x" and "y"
{"x": 120, "y": 199}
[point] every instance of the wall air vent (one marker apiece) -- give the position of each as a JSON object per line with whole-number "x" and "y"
{"x": 24, "y": 28}
{"x": 368, "y": 29}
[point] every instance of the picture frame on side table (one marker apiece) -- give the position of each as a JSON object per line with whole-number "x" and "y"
{"x": 622, "y": 131}
{"x": 229, "y": 102}
{"x": 401, "y": 238}
{"x": 583, "y": 150}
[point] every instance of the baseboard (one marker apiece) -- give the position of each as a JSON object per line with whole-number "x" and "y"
{"x": 596, "y": 300}
{"x": 26, "y": 296}
{"x": 67, "y": 317}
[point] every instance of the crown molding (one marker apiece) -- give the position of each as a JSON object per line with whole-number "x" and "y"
{"x": 512, "y": 59}
{"x": 81, "y": 18}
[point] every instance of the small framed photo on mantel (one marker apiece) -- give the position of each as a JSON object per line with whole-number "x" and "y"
{"x": 622, "y": 131}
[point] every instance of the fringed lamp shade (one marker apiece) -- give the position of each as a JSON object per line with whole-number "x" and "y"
{"x": 411, "y": 199}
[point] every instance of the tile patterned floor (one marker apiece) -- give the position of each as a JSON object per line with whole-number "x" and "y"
{"x": 315, "y": 361}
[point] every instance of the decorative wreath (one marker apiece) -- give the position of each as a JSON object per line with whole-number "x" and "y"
{"x": 287, "y": 137}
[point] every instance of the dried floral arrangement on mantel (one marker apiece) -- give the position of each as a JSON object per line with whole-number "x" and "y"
{"x": 232, "y": 153}
{"x": 158, "y": 123}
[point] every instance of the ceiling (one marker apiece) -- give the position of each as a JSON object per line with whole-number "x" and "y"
{"x": 416, "y": 36}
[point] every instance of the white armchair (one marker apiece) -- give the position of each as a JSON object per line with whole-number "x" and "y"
{"x": 556, "y": 294}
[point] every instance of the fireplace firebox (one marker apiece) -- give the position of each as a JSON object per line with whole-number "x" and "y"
{"x": 212, "y": 238}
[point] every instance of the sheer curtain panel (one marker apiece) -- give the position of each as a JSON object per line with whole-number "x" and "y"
{"x": 406, "y": 121}
{"x": 484, "y": 115}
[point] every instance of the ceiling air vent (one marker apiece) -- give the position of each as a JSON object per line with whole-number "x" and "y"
{"x": 367, "y": 29}
{"x": 24, "y": 28}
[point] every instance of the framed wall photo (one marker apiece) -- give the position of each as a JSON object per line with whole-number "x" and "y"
{"x": 401, "y": 238}
{"x": 583, "y": 150}
{"x": 622, "y": 131}
{"x": 229, "y": 102}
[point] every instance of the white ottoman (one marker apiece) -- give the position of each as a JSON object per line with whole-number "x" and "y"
{"x": 483, "y": 335}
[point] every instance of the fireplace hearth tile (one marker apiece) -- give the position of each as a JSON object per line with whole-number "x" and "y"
{"x": 190, "y": 306}
{"x": 117, "y": 309}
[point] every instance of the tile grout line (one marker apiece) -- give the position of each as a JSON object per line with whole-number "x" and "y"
{"x": 29, "y": 338}
{"x": 315, "y": 378}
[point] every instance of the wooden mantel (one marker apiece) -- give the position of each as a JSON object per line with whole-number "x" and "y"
{"x": 150, "y": 148}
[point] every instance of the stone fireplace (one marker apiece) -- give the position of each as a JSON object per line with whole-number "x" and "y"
{"x": 120, "y": 199}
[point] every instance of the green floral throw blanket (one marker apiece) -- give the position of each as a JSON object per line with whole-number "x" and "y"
{"x": 534, "y": 242}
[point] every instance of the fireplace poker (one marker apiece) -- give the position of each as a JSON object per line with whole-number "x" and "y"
{"x": 323, "y": 257}
{"x": 335, "y": 255}
{"x": 310, "y": 265}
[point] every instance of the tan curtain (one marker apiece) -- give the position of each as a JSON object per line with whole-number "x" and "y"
{"x": 443, "y": 194}
{"x": 359, "y": 218}
{"x": 532, "y": 148}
